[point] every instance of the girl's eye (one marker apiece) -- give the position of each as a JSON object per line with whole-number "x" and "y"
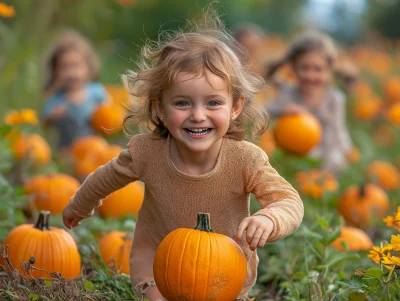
{"x": 213, "y": 103}
{"x": 182, "y": 103}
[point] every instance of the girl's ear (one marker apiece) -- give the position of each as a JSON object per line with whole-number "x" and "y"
{"x": 237, "y": 107}
{"x": 158, "y": 108}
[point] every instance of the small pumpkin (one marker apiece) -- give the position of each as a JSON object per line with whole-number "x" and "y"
{"x": 392, "y": 89}
{"x": 393, "y": 114}
{"x": 129, "y": 200}
{"x": 199, "y": 264}
{"x": 298, "y": 133}
{"x": 107, "y": 119}
{"x": 115, "y": 248}
{"x": 315, "y": 182}
{"x": 361, "y": 205}
{"x": 353, "y": 155}
{"x": 53, "y": 248}
{"x": 356, "y": 240}
{"x": 83, "y": 146}
{"x": 30, "y": 146}
{"x": 51, "y": 192}
{"x": 385, "y": 173}
{"x": 367, "y": 108}
{"x": 267, "y": 142}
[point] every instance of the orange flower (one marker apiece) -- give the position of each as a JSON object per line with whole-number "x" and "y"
{"x": 393, "y": 221}
{"x": 395, "y": 242}
{"x": 388, "y": 259}
{"x": 25, "y": 116}
{"x": 377, "y": 253}
{"x": 6, "y": 11}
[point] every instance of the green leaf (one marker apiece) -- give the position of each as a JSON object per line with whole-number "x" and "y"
{"x": 5, "y": 129}
{"x": 48, "y": 283}
{"x": 33, "y": 296}
{"x": 88, "y": 285}
{"x": 354, "y": 296}
{"x": 341, "y": 257}
{"x": 373, "y": 273}
{"x": 322, "y": 222}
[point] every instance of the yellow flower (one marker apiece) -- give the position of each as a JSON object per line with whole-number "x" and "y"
{"x": 395, "y": 242}
{"x": 6, "y": 11}
{"x": 388, "y": 259}
{"x": 25, "y": 116}
{"x": 393, "y": 221}
{"x": 376, "y": 253}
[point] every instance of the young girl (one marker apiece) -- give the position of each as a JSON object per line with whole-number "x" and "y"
{"x": 312, "y": 57}
{"x": 198, "y": 98}
{"x": 72, "y": 91}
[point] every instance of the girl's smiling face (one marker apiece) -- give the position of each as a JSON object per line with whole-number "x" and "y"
{"x": 312, "y": 70}
{"x": 197, "y": 110}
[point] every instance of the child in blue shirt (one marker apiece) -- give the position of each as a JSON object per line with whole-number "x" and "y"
{"x": 72, "y": 91}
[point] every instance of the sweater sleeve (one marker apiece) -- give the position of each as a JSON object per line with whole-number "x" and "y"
{"x": 108, "y": 178}
{"x": 280, "y": 202}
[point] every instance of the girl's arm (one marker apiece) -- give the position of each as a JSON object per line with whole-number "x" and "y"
{"x": 280, "y": 202}
{"x": 106, "y": 179}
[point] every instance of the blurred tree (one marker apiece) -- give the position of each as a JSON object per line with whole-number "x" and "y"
{"x": 383, "y": 15}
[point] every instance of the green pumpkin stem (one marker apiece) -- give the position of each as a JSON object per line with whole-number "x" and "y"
{"x": 203, "y": 222}
{"x": 43, "y": 220}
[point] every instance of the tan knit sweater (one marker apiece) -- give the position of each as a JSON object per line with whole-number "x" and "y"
{"x": 173, "y": 198}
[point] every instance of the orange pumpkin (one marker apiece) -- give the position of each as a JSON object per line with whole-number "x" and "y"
{"x": 123, "y": 201}
{"x": 108, "y": 119}
{"x": 53, "y": 248}
{"x": 119, "y": 96}
{"x": 267, "y": 142}
{"x": 392, "y": 89}
{"x": 315, "y": 182}
{"x": 362, "y": 90}
{"x": 385, "y": 173}
{"x": 30, "y": 146}
{"x": 361, "y": 205}
{"x": 198, "y": 264}
{"x": 298, "y": 133}
{"x": 52, "y": 192}
{"x": 356, "y": 240}
{"x": 85, "y": 145}
{"x": 393, "y": 114}
{"x": 353, "y": 155}
{"x": 367, "y": 108}
{"x": 115, "y": 250}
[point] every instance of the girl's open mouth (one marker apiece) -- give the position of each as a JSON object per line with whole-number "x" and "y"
{"x": 198, "y": 132}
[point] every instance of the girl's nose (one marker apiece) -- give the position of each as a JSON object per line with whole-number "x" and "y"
{"x": 197, "y": 115}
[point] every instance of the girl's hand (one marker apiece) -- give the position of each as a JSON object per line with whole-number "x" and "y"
{"x": 258, "y": 228}
{"x": 70, "y": 219}
{"x": 58, "y": 112}
{"x": 293, "y": 109}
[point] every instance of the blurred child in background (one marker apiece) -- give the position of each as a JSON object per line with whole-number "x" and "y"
{"x": 312, "y": 56}
{"x": 71, "y": 88}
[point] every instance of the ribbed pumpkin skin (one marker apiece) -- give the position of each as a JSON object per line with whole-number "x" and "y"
{"x": 115, "y": 246}
{"x": 52, "y": 192}
{"x": 123, "y": 201}
{"x": 54, "y": 251}
{"x": 298, "y": 133}
{"x": 360, "y": 209}
{"x": 355, "y": 238}
{"x": 195, "y": 265}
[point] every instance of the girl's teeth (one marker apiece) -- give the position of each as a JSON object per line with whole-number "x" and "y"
{"x": 198, "y": 132}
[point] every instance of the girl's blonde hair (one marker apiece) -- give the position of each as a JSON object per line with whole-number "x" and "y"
{"x": 308, "y": 41}
{"x": 66, "y": 41}
{"x": 206, "y": 44}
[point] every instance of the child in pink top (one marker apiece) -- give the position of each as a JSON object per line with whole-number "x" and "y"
{"x": 198, "y": 96}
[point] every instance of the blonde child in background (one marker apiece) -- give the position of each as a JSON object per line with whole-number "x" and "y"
{"x": 71, "y": 88}
{"x": 197, "y": 96}
{"x": 312, "y": 56}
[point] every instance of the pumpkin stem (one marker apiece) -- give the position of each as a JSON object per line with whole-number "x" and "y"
{"x": 362, "y": 190}
{"x": 43, "y": 220}
{"x": 203, "y": 222}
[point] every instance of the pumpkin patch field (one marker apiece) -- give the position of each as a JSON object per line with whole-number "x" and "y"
{"x": 347, "y": 247}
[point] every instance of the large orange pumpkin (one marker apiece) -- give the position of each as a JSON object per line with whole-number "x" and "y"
{"x": 51, "y": 192}
{"x": 385, "y": 173}
{"x": 198, "y": 264}
{"x": 115, "y": 250}
{"x": 53, "y": 248}
{"x": 361, "y": 205}
{"x": 107, "y": 119}
{"x": 30, "y": 146}
{"x": 123, "y": 201}
{"x": 356, "y": 240}
{"x": 298, "y": 133}
{"x": 86, "y": 145}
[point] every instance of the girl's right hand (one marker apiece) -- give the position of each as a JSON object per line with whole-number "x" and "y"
{"x": 70, "y": 219}
{"x": 293, "y": 109}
